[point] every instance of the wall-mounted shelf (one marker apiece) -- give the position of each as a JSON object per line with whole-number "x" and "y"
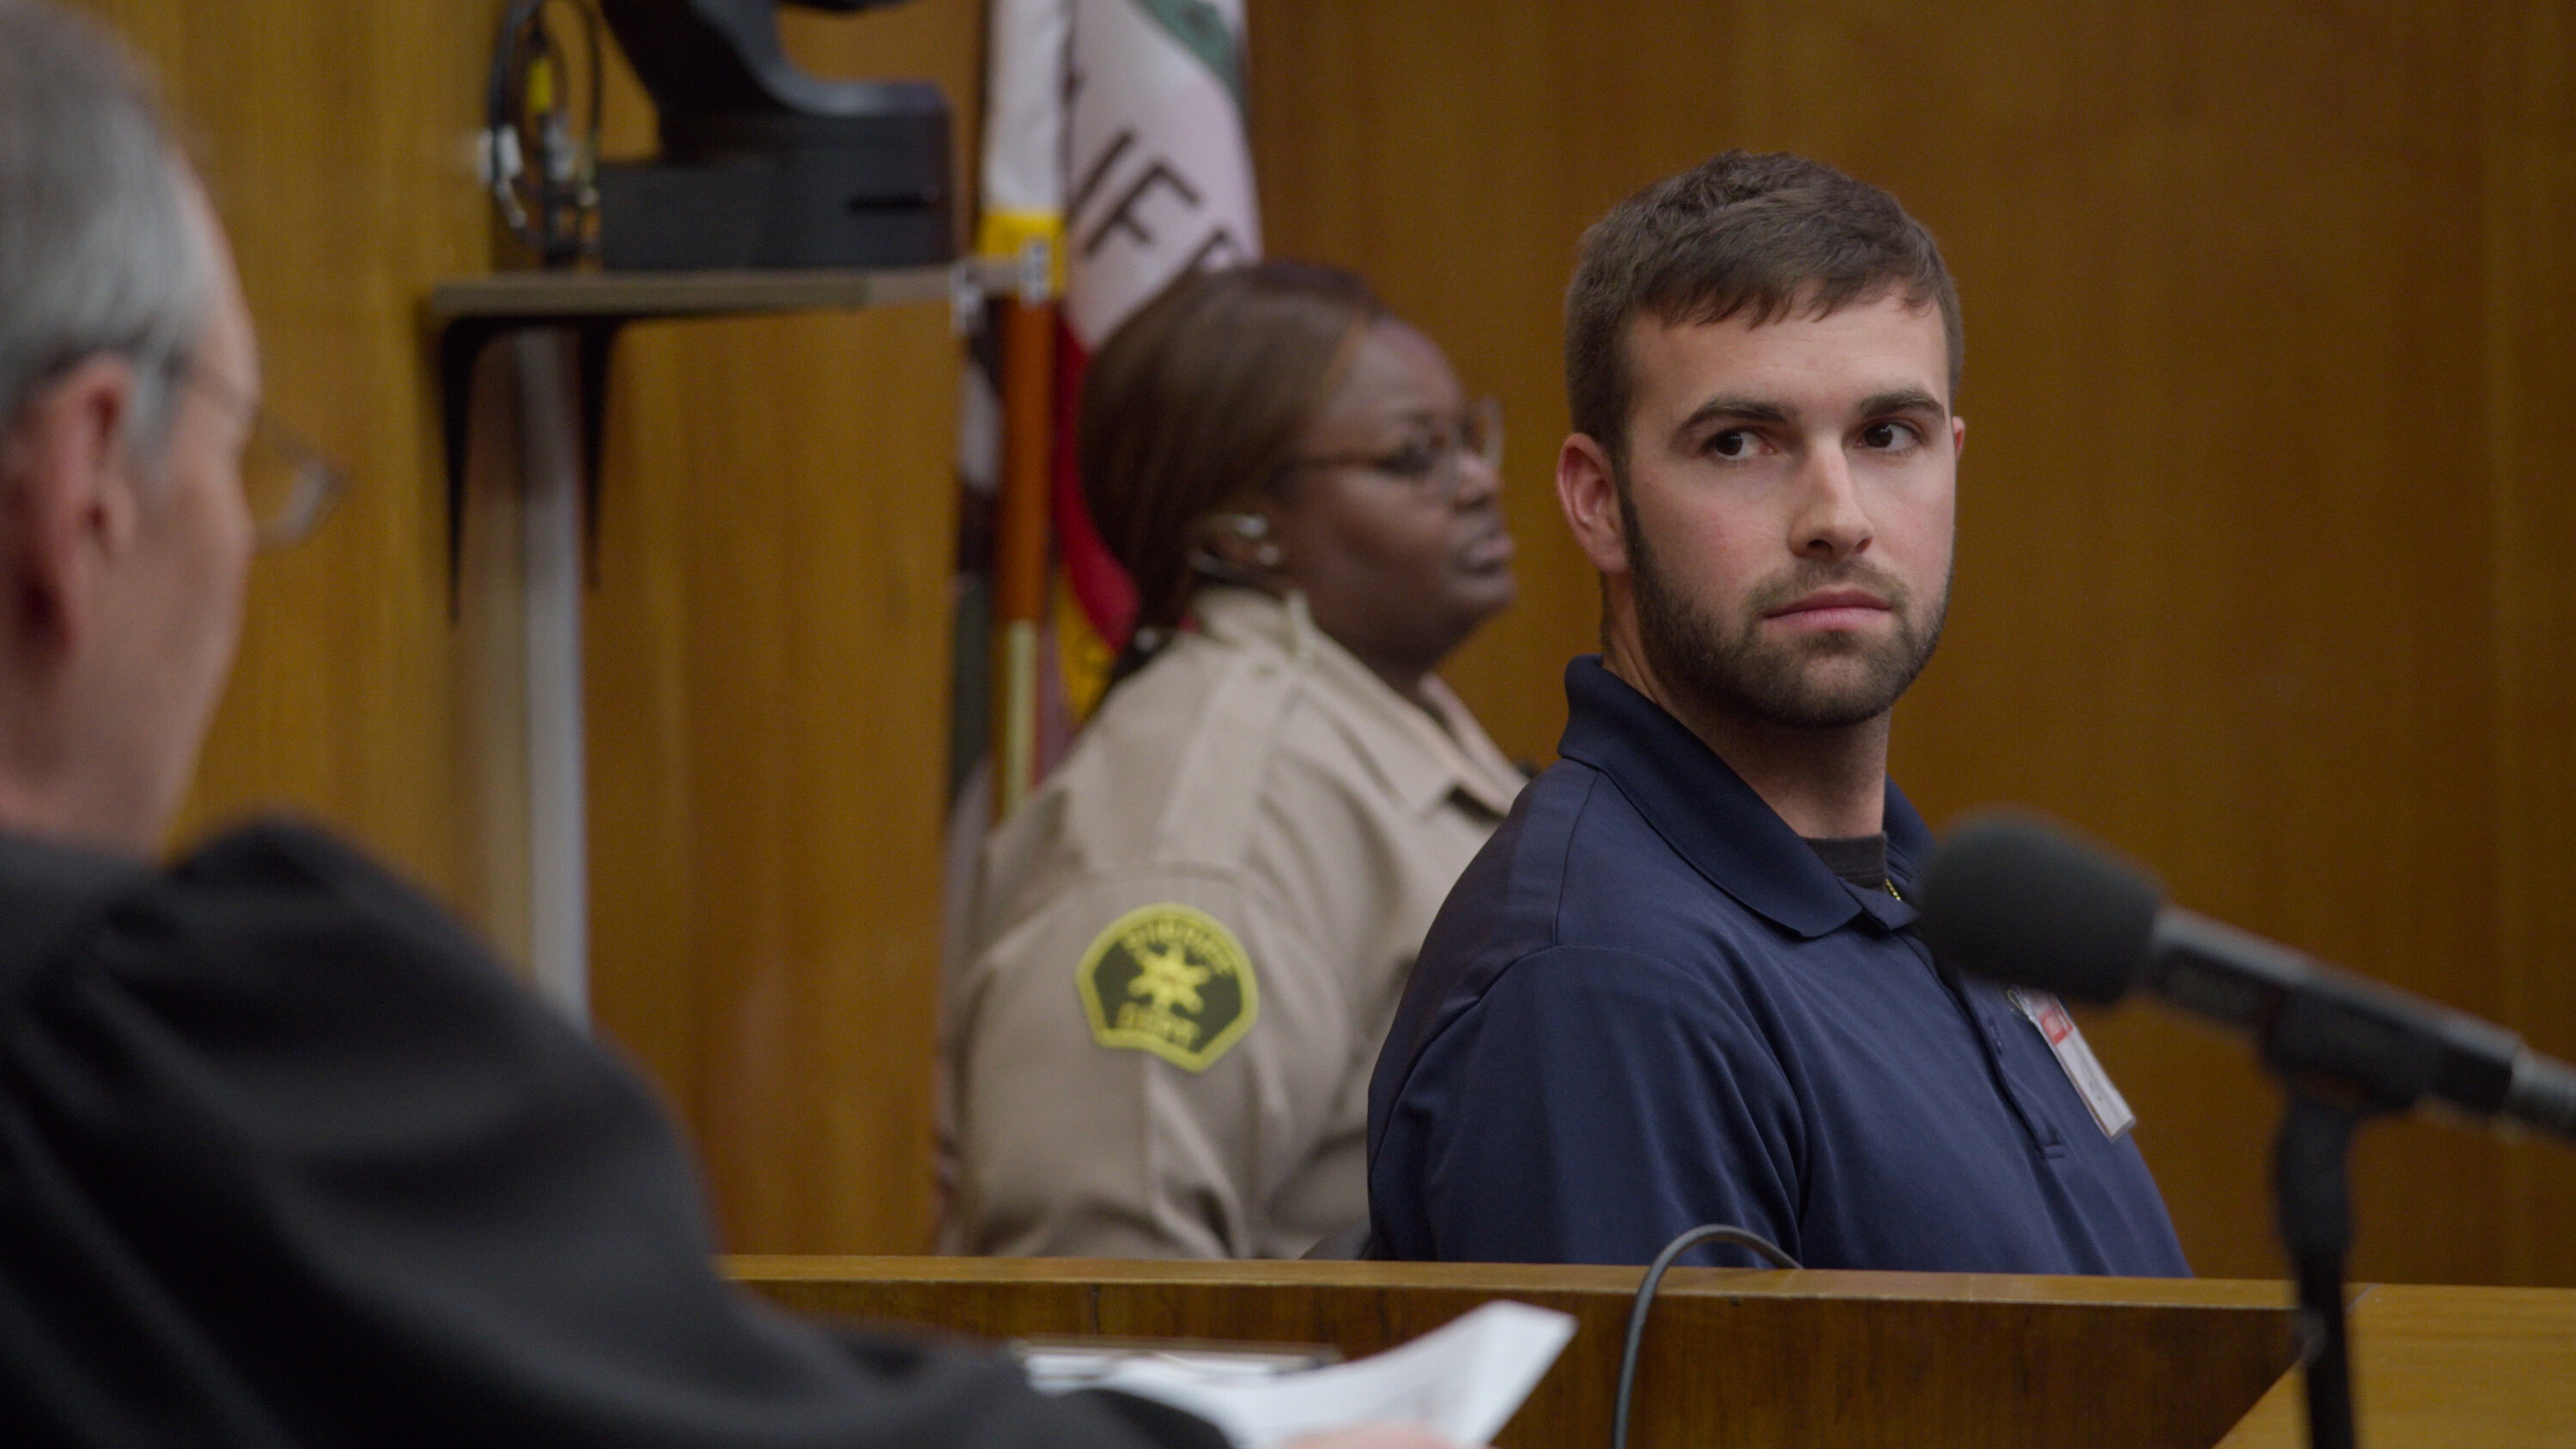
{"x": 558, "y": 495}
{"x": 465, "y": 314}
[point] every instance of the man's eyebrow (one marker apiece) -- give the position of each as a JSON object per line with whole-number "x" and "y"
{"x": 1901, "y": 400}
{"x": 1732, "y": 407}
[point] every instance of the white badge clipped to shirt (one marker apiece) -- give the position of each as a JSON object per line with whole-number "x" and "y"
{"x": 2110, "y": 1110}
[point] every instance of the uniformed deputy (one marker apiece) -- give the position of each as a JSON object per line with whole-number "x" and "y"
{"x": 1190, "y": 941}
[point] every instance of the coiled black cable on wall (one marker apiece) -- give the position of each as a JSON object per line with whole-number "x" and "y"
{"x": 544, "y": 179}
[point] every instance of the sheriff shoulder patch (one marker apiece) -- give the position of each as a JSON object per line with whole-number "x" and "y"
{"x": 1169, "y": 980}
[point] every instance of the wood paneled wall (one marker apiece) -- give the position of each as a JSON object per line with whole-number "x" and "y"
{"x": 334, "y": 141}
{"x": 768, "y": 643}
{"x": 2263, "y": 524}
{"x": 769, "y": 656}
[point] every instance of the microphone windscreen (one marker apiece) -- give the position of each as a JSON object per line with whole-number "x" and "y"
{"x": 2017, "y": 901}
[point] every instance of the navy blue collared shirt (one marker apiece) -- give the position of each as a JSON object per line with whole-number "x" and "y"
{"x": 1648, "y": 1005}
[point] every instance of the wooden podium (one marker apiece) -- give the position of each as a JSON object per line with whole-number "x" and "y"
{"x": 2458, "y": 1368}
{"x": 1732, "y": 1356}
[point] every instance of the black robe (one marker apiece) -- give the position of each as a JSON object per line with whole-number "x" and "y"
{"x": 287, "y": 1159}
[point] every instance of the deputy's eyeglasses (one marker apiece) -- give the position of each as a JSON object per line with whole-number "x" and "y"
{"x": 290, "y": 485}
{"x": 1429, "y": 462}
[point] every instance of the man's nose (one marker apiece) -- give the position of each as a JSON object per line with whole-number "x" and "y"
{"x": 1830, "y": 523}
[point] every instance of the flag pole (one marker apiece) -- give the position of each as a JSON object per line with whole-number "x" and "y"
{"x": 1020, "y": 553}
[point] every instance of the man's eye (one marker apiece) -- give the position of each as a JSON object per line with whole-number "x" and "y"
{"x": 1884, "y": 437}
{"x": 1733, "y": 443}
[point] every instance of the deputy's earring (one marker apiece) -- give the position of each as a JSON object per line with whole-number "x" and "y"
{"x": 1252, "y": 528}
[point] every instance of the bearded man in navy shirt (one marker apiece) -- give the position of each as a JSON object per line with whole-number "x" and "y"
{"x": 1681, "y": 985}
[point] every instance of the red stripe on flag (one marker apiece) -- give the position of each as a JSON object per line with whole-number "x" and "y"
{"x": 1107, "y": 595}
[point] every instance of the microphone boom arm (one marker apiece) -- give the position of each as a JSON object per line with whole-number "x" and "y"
{"x": 2340, "y": 1034}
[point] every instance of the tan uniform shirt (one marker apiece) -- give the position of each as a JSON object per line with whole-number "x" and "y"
{"x": 1190, "y": 943}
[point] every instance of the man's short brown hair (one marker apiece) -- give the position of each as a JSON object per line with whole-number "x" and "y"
{"x": 1739, "y": 234}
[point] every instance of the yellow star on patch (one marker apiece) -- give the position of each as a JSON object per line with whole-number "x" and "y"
{"x": 1168, "y": 979}
{"x": 1165, "y": 977}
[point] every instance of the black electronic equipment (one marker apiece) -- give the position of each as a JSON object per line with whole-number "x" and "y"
{"x": 763, "y": 165}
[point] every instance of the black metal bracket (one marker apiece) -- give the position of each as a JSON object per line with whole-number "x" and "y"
{"x": 461, "y": 341}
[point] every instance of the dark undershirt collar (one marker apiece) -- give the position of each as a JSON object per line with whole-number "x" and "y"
{"x": 1860, "y": 859}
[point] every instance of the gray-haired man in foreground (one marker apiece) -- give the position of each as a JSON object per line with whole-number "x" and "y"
{"x": 284, "y": 1157}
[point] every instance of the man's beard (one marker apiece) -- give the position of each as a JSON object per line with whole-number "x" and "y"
{"x": 1733, "y": 669}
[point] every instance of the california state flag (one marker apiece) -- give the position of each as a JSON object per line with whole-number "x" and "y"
{"x": 1161, "y": 176}
{"x": 1115, "y": 135}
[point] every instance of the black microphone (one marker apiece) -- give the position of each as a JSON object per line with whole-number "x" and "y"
{"x": 2020, "y": 902}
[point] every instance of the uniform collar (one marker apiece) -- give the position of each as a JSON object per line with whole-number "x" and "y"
{"x": 1420, "y": 763}
{"x": 1712, "y": 819}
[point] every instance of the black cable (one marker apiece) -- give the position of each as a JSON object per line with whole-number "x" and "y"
{"x": 563, "y": 173}
{"x": 1751, "y": 1242}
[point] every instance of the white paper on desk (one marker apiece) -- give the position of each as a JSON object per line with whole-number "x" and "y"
{"x": 1463, "y": 1381}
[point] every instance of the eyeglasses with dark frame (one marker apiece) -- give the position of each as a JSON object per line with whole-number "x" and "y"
{"x": 1429, "y": 464}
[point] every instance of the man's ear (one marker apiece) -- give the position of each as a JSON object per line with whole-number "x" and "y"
{"x": 67, "y": 485}
{"x": 1588, "y": 490}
